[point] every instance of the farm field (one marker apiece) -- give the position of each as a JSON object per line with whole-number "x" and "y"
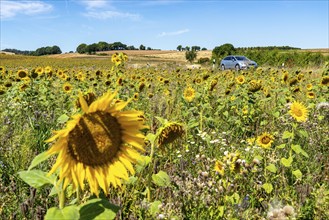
{"x": 161, "y": 141}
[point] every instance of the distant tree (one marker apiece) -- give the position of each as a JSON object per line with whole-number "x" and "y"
{"x": 187, "y": 48}
{"x": 82, "y": 48}
{"x": 91, "y": 48}
{"x": 223, "y": 50}
{"x": 142, "y": 47}
{"x": 179, "y": 47}
{"x": 131, "y": 48}
{"x": 190, "y": 55}
{"x": 118, "y": 46}
{"x": 102, "y": 46}
{"x": 56, "y": 50}
{"x": 196, "y": 48}
{"x": 148, "y": 48}
{"x": 203, "y": 48}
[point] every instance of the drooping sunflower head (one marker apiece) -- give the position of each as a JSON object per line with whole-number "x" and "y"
{"x": 265, "y": 140}
{"x": 98, "y": 146}
{"x": 213, "y": 84}
{"x": 298, "y": 111}
{"x": 325, "y": 81}
{"x": 189, "y": 94}
{"x": 169, "y": 132}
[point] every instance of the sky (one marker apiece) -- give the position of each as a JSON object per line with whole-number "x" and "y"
{"x": 164, "y": 24}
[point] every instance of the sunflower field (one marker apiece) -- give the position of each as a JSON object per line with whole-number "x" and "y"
{"x": 96, "y": 139}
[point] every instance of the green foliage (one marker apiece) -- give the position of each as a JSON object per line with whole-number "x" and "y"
{"x": 190, "y": 55}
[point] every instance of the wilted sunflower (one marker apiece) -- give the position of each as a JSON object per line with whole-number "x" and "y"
{"x": 189, "y": 94}
{"x": 265, "y": 140}
{"x": 169, "y": 132}
{"x": 98, "y": 146}
{"x": 240, "y": 79}
{"x": 67, "y": 87}
{"x": 298, "y": 111}
{"x": 325, "y": 81}
{"x": 219, "y": 167}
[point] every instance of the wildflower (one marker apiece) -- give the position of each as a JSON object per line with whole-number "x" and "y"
{"x": 98, "y": 146}
{"x": 265, "y": 140}
{"x": 298, "y": 111}
{"x": 189, "y": 94}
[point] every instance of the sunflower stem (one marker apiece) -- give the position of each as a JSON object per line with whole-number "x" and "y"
{"x": 62, "y": 199}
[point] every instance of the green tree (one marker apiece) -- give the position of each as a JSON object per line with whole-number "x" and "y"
{"x": 82, "y": 48}
{"x": 223, "y": 50}
{"x": 190, "y": 55}
{"x": 142, "y": 47}
{"x": 179, "y": 47}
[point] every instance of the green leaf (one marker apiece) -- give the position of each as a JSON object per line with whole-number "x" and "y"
{"x": 226, "y": 114}
{"x": 69, "y": 212}
{"x": 38, "y": 159}
{"x": 258, "y": 157}
{"x": 63, "y": 118}
{"x": 299, "y": 150}
{"x": 36, "y": 178}
{"x": 281, "y": 146}
{"x": 161, "y": 178}
{"x": 151, "y": 137}
{"x": 287, "y": 134}
{"x": 267, "y": 187}
{"x": 154, "y": 208}
{"x": 271, "y": 168}
{"x": 286, "y": 162}
{"x": 98, "y": 208}
{"x": 131, "y": 180}
{"x": 297, "y": 173}
{"x": 221, "y": 211}
{"x": 303, "y": 133}
{"x": 276, "y": 114}
{"x": 141, "y": 164}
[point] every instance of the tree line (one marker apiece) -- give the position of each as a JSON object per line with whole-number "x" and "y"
{"x": 104, "y": 46}
{"x": 38, "y": 52}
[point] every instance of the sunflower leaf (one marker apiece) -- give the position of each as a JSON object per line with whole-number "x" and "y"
{"x": 38, "y": 159}
{"x": 286, "y": 162}
{"x": 298, "y": 174}
{"x": 98, "y": 208}
{"x": 287, "y": 134}
{"x": 62, "y": 119}
{"x": 161, "y": 178}
{"x": 36, "y": 178}
{"x": 271, "y": 168}
{"x": 68, "y": 212}
{"x": 299, "y": 150}
{"x": 267, "y": 187}
{"x": 154, "y": 207}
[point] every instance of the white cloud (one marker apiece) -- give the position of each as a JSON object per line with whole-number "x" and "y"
{"x": 173, "y": 33}
{"x": 111, "y": 14}
{"x": 94, "y": 3}
{"x": 9, "y": 9}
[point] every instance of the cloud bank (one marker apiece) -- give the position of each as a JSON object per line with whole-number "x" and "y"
{"x": 163, "y": 34}
{"x": 10, "y": 9}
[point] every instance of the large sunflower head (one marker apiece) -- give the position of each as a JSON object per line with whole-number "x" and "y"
{"x": 265, "y": 140}
{"x": 298, "y": 111}
{"x": 99, "y": 145}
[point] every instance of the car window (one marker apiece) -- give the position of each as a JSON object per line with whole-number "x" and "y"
{"x": 227, "y": 58}
{"x": 241, "y": 58}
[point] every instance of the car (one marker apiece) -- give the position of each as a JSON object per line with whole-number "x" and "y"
{"x": 237, "y": 62}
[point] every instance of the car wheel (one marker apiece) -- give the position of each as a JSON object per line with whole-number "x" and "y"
{"x": 237, "y": 67}
{"x": 223, "y": 67}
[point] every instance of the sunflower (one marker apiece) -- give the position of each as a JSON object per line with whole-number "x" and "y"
{"x": 309, "y": 87}
{"x": 220, "y": 168}
{"x": 285, "y": 76}
{"x": 39, "y": 70}
{"x": 67, "y": 87}
{"x": 298, "y": 111}
{"x": 99, "y": 145}
{"x": 169, "y": 132}
{"x": 22, "y": 74}
{"x": 240, "y": 79}
{"x": 189, "y": 94}
{"x": 80, "y": 76}
{"x": 213, "y": 84}
{"x": 2, "y": 90}
{"x": 265, "y": 140}
{"x": 255, "y": 85}
{"x": 325, "y": 81}
{"x": 90, "y": 97}
{"x": 310, "y": 95}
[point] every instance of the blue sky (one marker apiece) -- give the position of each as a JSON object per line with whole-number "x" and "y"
{"x": 164, "y": 24}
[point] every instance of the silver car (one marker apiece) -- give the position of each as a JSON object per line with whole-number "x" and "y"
{"x": 237, "y": 63}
